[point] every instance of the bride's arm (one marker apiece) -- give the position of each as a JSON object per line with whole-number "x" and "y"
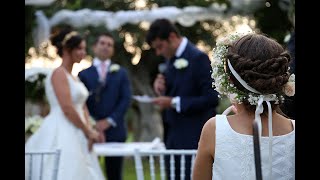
{"x": 203, "y": 163}
{"x": 62, "y": 91}
{"x": 102, "y": 137}
{"x": 86, "y": 115}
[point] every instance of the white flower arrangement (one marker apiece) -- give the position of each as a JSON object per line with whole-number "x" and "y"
{"x": 221, "y": 78}
{"x": 225, "y": 87}
{"x": 32, "y": 124}
{"x": 114, "y": 68}
{"x": 180, "y": 63}
{"x": 32, "y": 74}
{"x": 35, "y": 82}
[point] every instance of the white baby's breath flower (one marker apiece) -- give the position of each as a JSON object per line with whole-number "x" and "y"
{"x": 221, "y": 78}
{"x": 180, "y": 63}
{"x": 114, "y": 67}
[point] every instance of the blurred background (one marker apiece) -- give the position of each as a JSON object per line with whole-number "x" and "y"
{"x": 201, "y": 21}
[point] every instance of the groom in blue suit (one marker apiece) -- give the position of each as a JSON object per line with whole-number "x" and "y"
{"x": 109, "y": 98}
{"x": 184, "y": 90}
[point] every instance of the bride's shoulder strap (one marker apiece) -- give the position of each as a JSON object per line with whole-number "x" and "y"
{"x": 221, "y": 119}
{"x": 57, "y": 73}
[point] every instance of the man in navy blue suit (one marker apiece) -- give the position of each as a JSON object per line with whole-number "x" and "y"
{"x": 184, "y": 90}
{"x": 109, "y": 98}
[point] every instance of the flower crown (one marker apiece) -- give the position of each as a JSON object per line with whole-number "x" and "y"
{"x": 68, "y": 37}
{"x": 223, "y": 85}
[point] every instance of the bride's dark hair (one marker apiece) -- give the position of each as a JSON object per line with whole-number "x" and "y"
{"x": 261, "y": 62}
{"x": 61, "y": 40}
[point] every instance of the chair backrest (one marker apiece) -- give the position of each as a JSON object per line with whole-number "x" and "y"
{"x": 39, "y": 164}
{"x": 153, "y": 155}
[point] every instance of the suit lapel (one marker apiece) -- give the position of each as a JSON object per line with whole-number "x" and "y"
{"x": 109, "y": 75}
{"x": 95, "y": 74}
{"x": 93, "y": 77}
{"x": 177, "y": 75}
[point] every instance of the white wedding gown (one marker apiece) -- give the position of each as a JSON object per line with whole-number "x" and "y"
{"x": 57, "y": 132}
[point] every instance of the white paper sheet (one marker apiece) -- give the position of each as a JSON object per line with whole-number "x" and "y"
{"x": 143, "y": 99}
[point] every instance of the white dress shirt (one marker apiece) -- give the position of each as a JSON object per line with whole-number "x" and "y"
{"x": 182, "y": 46}
{"x": 97, "y": 63}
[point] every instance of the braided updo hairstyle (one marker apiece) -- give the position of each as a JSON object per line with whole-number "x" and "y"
{"x": 60, "y": 41}
{"x": 261, "y": 62}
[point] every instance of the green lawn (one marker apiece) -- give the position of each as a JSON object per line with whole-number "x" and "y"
{"x": 129, "y": 171}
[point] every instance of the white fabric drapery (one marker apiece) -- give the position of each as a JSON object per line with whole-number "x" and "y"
{"x": 186, "y": 16}
{"x": 38, "y": 2}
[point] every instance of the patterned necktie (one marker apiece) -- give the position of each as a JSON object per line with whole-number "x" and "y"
{"x": 103, "y": 74}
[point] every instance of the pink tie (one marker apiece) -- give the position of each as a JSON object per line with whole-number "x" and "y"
{"x": 103, "y": 70}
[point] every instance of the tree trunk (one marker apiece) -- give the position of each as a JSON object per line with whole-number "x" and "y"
{"x": 149, "y": 122}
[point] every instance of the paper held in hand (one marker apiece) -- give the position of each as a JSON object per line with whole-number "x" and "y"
{"x": 143, "y": 99}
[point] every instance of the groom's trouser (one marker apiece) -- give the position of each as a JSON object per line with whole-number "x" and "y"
{"x": 114, "y": 167}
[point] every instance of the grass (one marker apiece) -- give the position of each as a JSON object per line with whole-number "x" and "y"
{"x": 129, "y": 171}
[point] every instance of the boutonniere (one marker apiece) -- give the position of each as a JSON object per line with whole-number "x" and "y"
{"x": 114, "y": 67}
{"x": 180, "y": 63}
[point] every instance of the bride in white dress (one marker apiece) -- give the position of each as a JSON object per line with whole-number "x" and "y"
{"x": 67, "y": 126}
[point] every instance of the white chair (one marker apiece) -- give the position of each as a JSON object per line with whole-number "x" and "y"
{"x": 160, "y": 154}
{"x": 35, "y": 162}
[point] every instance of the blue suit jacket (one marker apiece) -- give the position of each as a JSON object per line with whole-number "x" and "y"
{"x": 198, "y": 99}
{"x": 109, "y": 100}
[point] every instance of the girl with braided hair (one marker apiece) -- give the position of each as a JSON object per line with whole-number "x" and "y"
{"x": 252, "y": 70}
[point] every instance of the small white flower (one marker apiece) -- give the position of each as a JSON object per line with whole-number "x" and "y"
{"x": 289, "y": 88}
{"x": 292, "y": 78}
{"x": 114, "y": 67}
{"x": 180, "y": 63}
